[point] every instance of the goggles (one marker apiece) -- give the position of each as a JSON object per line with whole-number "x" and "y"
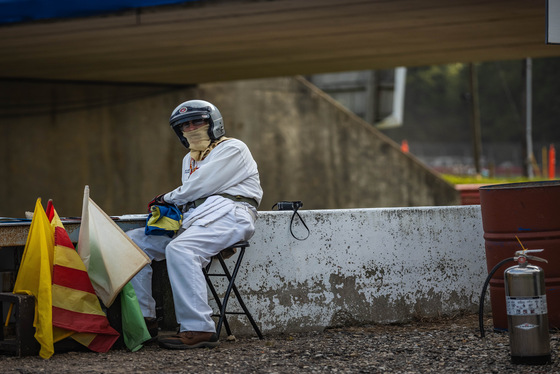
{"x": 196, "y": 122}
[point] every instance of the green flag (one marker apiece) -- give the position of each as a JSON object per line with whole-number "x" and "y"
{"x": 134, "y": 327}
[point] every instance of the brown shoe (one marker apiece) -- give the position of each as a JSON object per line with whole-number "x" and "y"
{"x": 189, "y": 339}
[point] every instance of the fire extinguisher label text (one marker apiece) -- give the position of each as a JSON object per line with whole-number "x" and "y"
{"x": 526, "y": 306}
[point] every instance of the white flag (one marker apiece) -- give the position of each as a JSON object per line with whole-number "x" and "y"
{"x": 110, "y": 256}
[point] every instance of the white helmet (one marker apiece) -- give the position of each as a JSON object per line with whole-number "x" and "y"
{"x": 197, "y": 109}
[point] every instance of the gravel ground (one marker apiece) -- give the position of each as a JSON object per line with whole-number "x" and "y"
{"x": 448, "y": 345}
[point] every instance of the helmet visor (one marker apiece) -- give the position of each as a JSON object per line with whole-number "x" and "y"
{"x": 187, "y": 125}
{"x": 190, "y": 117}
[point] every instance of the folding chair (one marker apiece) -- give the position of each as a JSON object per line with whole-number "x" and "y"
{"x": 222, "y": 303}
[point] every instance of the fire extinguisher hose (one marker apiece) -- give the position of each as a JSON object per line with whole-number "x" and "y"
{"x": 483, "y": 294}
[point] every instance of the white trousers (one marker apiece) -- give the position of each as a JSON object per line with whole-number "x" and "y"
{"x": 186, "y": 254}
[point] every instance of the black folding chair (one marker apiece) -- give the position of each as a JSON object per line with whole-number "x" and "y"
{"x": 223, "y": 302}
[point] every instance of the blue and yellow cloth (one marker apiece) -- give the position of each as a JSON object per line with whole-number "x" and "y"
{"x": 164, "y": 220}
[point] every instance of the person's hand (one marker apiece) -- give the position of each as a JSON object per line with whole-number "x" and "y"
{"x": 156, "y": 200}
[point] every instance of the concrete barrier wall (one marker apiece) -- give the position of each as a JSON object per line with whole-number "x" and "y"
{"x": 362, "y": 266}
{"x": 358, "y": 266}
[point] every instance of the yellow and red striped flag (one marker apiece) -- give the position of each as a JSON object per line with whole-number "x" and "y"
{"x": 76, "y": 311}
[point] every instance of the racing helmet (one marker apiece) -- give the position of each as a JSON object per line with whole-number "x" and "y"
{"x": 197, "y": 109}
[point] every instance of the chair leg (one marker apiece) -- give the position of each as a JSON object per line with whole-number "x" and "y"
{"x": 218, "y": 301}
{"x": 230, "y": 278}
{"x": 247, "y": 313}
{"x": 232, "y": 286}
{"x": 222, "y": 303}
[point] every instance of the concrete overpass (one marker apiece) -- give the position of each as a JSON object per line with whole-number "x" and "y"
{"x": 221, "y": 40}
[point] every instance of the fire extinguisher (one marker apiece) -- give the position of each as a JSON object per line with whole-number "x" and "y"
{"x": 527, "y": 313}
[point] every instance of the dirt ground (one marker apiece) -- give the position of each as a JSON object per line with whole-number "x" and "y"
{"x": 450, "y": 345}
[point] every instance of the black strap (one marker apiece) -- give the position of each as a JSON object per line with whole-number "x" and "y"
{"x": 302, "y": 221}
{"x": 293, "y": 205}
{"x": 238, "y": 198}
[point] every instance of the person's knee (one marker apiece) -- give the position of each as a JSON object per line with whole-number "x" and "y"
{"x": 174, "y": 251}
{"x": 177, "y": 254}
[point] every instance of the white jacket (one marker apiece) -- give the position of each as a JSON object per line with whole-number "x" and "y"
{"x": 229, "y": 168}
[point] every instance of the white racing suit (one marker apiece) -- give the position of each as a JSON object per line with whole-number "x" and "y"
{"x": 206, "y": 230}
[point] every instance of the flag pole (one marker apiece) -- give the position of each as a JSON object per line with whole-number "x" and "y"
{"x": 9, "y": 314}
{"x": 83, "y": 236}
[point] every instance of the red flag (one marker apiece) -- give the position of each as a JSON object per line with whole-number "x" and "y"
{"x": 76, "y": 310}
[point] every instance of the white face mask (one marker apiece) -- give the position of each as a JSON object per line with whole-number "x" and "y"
{"x": 198, "y": 139}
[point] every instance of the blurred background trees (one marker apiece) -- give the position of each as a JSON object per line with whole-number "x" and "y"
{"x": 437, "y": 110}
